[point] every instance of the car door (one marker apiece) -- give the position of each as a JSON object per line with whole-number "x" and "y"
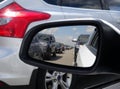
{"x": 85, "y": 8}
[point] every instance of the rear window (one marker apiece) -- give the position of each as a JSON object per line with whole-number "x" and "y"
{"x": 1, "y": 0}
{"x": 54, "y": 2}
{"x": 114, "y": 4}
{"x": 89, "y": 4}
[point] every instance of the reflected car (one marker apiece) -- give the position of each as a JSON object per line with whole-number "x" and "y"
{"x": 59, "y": 47}
{"x": 89, "y": 49}
{"x": 35, "y": 50}
{"x": 43, "y": 46}
{"x": 81, "y": 40}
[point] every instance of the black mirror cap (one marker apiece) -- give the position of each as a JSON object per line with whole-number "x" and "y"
{"x": 109, "y": 41}
{"x": 109, "y": 54}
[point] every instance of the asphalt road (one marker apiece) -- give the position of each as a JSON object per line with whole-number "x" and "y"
{"x": 65, "y": 58}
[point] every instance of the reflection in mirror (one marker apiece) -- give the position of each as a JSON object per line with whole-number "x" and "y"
{"x": 67, "y": 45}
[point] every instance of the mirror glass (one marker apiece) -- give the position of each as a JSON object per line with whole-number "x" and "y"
{"x": 66, "y": 45}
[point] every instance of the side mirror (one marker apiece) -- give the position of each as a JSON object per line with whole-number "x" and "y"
{"x": 99, "y": 55}
{"x": 74, "y": 40}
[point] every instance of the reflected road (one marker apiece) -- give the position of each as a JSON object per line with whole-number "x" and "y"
{"x": 65, "y": 58}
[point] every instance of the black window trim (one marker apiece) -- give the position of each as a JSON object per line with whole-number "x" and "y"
{"x": 102, "y": 4}
{"x": 90, "y": 47}
{"x": 1, "y": 1}
{"x": 94, "y": 39}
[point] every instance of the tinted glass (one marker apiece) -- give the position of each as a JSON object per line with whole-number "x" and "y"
{"x": 89, "y": 4}
{"x": 82, "y": 39}
{"x": 1, "y": 0}
{"x": 94, "y": 42}
{"x": 114, "y": 4}
{"x": 54, "y": 2}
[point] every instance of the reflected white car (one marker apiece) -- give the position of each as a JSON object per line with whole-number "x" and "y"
{"x": 87, "y": 52}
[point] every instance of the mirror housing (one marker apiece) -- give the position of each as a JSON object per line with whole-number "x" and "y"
{"x": 107, "y": 58}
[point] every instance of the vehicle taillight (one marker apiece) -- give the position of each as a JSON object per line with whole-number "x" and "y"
{"x": 14, "y": 20}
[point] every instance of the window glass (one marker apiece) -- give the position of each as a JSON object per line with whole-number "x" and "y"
{"x": 1, "y": 0}
{"x": 82, "y": 39}
{"x": 94, "y": 43}
{"x": 89, "y": 4}
{"x": 114, "y": 4}
{"x": 54, "y": 2}
{"x": 93, "y": 46}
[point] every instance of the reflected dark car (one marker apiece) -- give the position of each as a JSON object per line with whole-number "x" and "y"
{"x": 42, "y": 46}
{"x": 35, "y": 50}
{"x": 59, "y": 47}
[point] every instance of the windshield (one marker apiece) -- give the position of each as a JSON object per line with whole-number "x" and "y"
{"x": 44, "y": 37}
{"x": 83, "y": 39}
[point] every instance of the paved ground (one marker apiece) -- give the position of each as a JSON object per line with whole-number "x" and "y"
{"x": 65, "y": 58}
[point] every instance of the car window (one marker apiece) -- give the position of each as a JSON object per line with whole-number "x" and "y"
{"x": 44, "y": 37}
{"x": 1, "y": 0}
{"x": 82, "y": 39}
{"x": 54, "y": 2}
{"x": 114, "y": 4}
{"x": 93, "y": 44}
{"x": 89, "y": 4}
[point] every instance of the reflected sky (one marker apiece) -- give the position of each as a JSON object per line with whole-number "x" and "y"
{"x": 66, "y": 34}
